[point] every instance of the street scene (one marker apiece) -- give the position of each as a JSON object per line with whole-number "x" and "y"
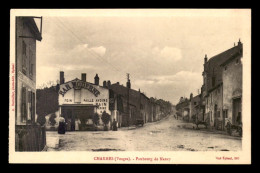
{"x": 111, "y": 82}
{"x": 168, "y": 134}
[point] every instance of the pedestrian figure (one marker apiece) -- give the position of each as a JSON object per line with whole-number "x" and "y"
{"x": 77, "y": 122}
{"x": 114, "y": 125}
{"x": 61, "y": 128}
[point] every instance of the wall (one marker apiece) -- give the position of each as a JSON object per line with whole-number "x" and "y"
{"x": 24, "y": 79}
{"x": 214, "y": 98}
{"x": 232, "y": 84}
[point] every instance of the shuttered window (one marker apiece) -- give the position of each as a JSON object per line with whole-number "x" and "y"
{"x": 30, "y": 62}
{"x": 23, "y": 106}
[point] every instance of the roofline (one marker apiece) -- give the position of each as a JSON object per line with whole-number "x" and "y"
{"x": 230, "y": 59}
{"x": 213, "y": 57}
{"x": 33, "y": 27}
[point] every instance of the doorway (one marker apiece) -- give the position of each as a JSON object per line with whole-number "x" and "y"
{"x": 237, "y": 115}
{"x": 215, "y": 115}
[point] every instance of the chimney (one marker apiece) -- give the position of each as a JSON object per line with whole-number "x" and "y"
{"x": 191, "y": 96}
{"x": 239, "y": 42}
{"x": 96, "y": 79}
{"x": 128, "y": 84}
{"x": 62, "y": 79}
{"x": 108, "y": 83}
{"x": 104, "y": 83}
{"x": 118, "y": 83}
{"x": 205, "y": 59}
{"x": 240, "y": 46}
{"x": 84, "y": 77}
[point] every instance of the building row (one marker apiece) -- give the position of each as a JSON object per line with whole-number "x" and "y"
{"x": 79, "y": 98}
{"x": 220, "y": 99}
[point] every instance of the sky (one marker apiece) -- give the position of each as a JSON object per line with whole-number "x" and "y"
{"x": 164, "y": 55}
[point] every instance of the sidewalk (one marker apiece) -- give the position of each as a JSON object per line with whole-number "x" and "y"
{"x": 52, "y": 141}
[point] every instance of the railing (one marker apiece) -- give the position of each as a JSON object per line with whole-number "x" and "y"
{"x": 30, "y": 137}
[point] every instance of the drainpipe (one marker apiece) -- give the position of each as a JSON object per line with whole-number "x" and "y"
{"x": 223, "y": 119}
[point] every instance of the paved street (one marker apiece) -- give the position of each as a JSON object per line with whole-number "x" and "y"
{"x": 168, "y": 134}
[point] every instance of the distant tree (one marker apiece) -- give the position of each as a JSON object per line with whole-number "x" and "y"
{"x": 41, "y": 120}
{"x": 52, "y": 119}
{"x": 105, "y": 118}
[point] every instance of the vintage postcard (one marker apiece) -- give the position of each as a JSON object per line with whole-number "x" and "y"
{"x": 146, "y": 86}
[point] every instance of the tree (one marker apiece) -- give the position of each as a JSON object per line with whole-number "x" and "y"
{"x": 52, "y": 119}
{"x": 105, "y": 118}
{"x": 41, "y": 120}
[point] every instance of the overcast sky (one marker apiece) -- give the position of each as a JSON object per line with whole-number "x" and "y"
{"x": 163, "y": 54}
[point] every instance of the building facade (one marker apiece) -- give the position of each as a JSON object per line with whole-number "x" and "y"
{"x": 215, "y": 86}
{"x": 79, "y": 100}
{"x": 232, "y": 87}
{"x": 29, "y": 135}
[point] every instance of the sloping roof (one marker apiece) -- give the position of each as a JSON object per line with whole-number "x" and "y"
{"x": 33, "y": 27}
{"x": 134, "y": 95}
{"x": 213, "y": 68}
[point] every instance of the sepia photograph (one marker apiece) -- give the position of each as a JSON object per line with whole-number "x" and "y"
{"x": 146, "y": 86}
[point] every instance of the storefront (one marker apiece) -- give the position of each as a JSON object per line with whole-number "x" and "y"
{"x": 80, "y": 100}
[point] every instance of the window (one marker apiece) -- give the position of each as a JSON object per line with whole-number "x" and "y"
{"x": 23, "y": 108}
{"x": 33, "y": 107}
{"x": 225, "y": 113}
{"x": 237, "y": 61}
{"x": 225, "y": 68}
{"x": 24, "y": 57}
{"x": 30, "y": 62}
{"x": 195, "y": 103}
{"x": 213, "y": 81}
{"x": 29, "y": 114}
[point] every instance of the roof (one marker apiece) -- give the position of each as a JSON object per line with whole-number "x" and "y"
{"x": 33, "y": 27}
{"x": 238, "y": 54}
{"x": 213, "y": 68}
{"x": 134, "y": 95}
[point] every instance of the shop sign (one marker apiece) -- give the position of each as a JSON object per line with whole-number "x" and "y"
{"x": 78, "y": 85}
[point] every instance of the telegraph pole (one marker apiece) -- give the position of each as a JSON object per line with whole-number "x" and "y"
{"x": 128, "y": 107}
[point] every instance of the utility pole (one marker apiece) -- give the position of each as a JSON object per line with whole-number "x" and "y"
{"x": 128, "y": 107}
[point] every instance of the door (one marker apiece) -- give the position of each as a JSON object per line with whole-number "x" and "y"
{"x": 215, "y": 115}
{"x": 237, "y": 115}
